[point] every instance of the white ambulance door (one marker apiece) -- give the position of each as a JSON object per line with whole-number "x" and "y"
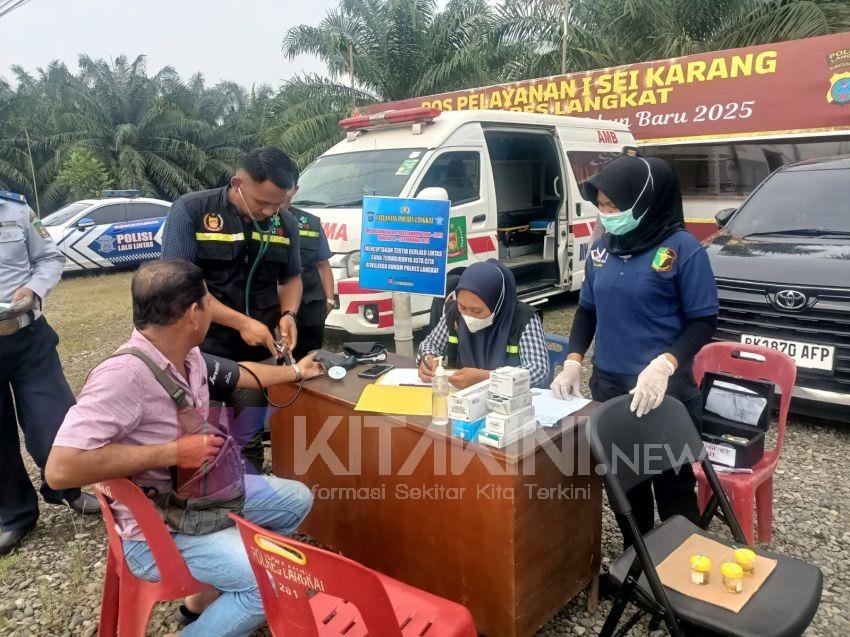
{"x": 587, "y": 151}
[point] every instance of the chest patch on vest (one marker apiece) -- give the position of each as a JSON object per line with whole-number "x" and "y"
{"x": 304, "y": 228}
{"x": 663, "y": 259}
{"x": 213, "y": 222}
{"x": 598, "y": 256}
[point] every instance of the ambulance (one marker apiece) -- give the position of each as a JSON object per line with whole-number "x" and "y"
{"x": 512, "y": 180}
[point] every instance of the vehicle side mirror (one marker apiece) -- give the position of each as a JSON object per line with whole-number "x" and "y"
{"x": 84, "y": 223}
{"x": 722, "y": 217}
{"x": 433, "y": 192}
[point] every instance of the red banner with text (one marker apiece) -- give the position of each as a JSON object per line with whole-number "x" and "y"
{"x": 787, "y": 88}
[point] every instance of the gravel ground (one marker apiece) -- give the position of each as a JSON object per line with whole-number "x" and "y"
{"x": 52, "y": 584}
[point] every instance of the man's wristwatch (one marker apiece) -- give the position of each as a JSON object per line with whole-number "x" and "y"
{"x": 331, "y": 303}
{"x": 288, "y": 313}
{"x": 298, "y": 374}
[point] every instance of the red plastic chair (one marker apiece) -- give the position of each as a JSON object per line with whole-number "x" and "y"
{"x": 127, "y": 600}
{"x": 746, "y": 490}
{"x": 345, "y": 598}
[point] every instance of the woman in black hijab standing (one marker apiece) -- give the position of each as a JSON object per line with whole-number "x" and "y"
{"x": 650, "y": 300}
{"x": 485, "y": 327}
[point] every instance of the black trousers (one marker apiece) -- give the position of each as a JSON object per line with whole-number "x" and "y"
{"x": 30, "y": 372}
{"x": 310, "y": 337}
{"x": 674, "y": 493}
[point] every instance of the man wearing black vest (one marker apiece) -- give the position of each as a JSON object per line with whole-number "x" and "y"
{"x": 248, "y": 247}
{"x": 318, "y": 281}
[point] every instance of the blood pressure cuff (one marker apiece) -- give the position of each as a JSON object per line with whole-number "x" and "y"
{"x": 222, "y": 376}
{"x": 329, "y": 359}
{"x": 363, "y": 348}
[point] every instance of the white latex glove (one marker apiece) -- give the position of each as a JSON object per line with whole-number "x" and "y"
{"x": 568, "y": 381}
{"x": 651, "y": 385}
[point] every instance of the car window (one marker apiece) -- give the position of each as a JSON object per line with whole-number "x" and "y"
{"x": 137, "y": 210}
{"x": 797, "y": 201}
{"x": 63, "y": 214}
{"x": 111, "y": 213}
{"x": 588, "y": 163}
{"x": 458, "y": 172}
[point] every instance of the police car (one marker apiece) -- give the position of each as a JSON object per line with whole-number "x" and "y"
{"x": 119, "y": 230}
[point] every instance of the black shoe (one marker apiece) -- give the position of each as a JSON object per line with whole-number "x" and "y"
{"x": 85, "y": 504}
{"x": 9, "y": 540}
{"x": 184, "y": 616}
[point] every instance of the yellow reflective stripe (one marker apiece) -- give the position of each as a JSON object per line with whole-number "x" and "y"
{"x": 217, "y": 236}
{"x": 272, "y": 238}
{"x": 512, "y": 349}
{"x": 452, "y": 339}
{"x": 309, "y": 233}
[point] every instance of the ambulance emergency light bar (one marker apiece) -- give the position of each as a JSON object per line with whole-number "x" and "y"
{"x": 416, "y": 116}
{"x": 128, "y": 194}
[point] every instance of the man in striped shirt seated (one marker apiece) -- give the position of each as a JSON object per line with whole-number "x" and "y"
{"x": 125, "y": 424}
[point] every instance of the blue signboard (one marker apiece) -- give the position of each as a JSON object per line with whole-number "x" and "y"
{"x": 404, "y": 244}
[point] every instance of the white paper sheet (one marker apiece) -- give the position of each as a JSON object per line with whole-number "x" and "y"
{"x": 402, "y": 376}
{"x": 727, "y": 385}
{"x": 550, "y": 410}
{"x": 734, "y": 406}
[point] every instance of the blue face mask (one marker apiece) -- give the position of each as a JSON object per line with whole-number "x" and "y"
{"x": 622, "y": 222}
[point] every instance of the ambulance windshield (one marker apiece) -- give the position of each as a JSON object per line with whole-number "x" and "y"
{"x": 341, "y": 181}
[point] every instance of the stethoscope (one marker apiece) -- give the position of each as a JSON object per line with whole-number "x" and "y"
{"x": 265, "y": 240}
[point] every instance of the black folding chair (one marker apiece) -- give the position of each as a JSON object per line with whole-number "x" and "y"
{"x": 632, "y": 450}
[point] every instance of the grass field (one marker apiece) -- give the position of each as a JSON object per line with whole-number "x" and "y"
{"x": 86, "y": 337}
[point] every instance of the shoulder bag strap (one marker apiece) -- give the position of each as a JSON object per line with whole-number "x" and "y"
{"x": 168, "y": 384}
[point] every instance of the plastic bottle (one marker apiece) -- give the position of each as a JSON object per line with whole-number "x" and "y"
{"x": 439, "y": 395}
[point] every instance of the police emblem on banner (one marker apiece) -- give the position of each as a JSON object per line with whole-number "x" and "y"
{"x": 213, "y": 222}
{"x": 839, "y": 82}
{"x": 663, "y": 259}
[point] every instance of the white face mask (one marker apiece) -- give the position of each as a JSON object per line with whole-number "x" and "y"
{"x": 475, "y": 324}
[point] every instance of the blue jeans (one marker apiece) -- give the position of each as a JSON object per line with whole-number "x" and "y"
{"x": 219, "y": 558}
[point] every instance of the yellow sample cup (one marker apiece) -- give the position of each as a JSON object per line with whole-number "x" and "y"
{"x": 746, "y": 559}
{"x": 700, "y": 569}
{"x": 733, "y": 577}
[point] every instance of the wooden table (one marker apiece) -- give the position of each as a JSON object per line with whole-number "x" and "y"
{"x": 511, "y": 534}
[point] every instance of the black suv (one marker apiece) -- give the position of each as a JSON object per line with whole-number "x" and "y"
{"x": 782, "y": 263}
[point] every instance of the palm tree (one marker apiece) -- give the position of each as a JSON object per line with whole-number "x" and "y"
{"x": 152, "y": 133}
{"x": 128, "y": 121}
{"x": 378, "y": 50}
{"x": 605, "y": 33}
{"x": 400, "y": 48}
{"x": 28, "y": 116}
{"x": 304, "y": 117}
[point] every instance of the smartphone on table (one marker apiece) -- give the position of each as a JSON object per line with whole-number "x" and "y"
{"x": 375, "y": 371}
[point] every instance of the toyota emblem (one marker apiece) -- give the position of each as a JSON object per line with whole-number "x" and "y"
{"x": 790, "y": 300}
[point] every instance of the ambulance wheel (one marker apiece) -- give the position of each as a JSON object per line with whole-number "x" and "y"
{"x": 438, "y": 303}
